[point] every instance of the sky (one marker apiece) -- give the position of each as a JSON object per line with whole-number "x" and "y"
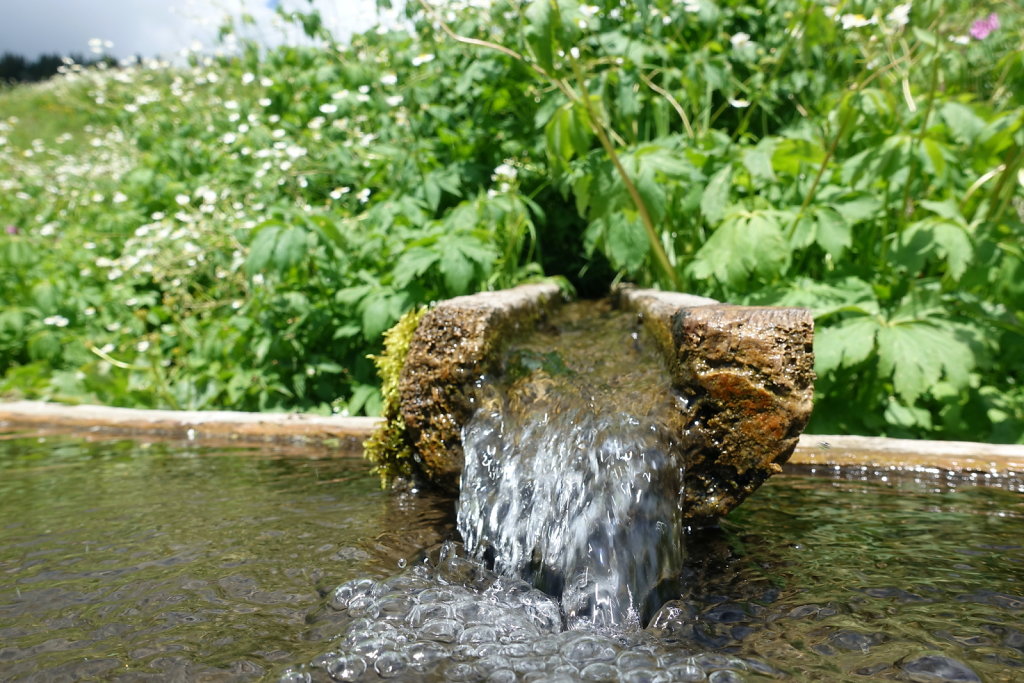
{"x": 152, "y": 28}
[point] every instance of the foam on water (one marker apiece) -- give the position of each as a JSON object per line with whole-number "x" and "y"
{"x": 573, "y": 476}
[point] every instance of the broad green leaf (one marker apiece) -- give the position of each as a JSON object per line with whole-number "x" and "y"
{"x": 961, "y": 120}
{"x": 935, "y": 239}
{"x": 947, "y": 208}
{"x": 743, "y": 245}
{"x": 414, "y": 263}
{"x": 457, "y": 271}
{"x": 716, "y": 195}
{"x": 845, "y": 344}
{"x": 541, "y": 28}
{"x": 559, "y": 140}
{"x": 262, "y": 248}
{"x": 626, "y": 241}
{"x": 926, "y": 37}
{"x": 917, "y": 354}
{"x": 378, "y": 314}
{"x": 934, "y": 158}
{"x": 804, "y": 232}
{"x": 858, "y": 209}
{"x": 833, "y": 233}
{"x": 791, "y": 155}
{"x": 291, "y": 248}
{"x": 758, "y": 160}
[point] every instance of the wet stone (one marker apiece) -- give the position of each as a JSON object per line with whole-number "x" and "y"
{"x": 930, "y": 668}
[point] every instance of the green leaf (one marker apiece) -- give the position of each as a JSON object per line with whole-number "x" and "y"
{"x": 833, "y": 233}
{"x": 745, "y": 244}
{"x": 457, "y": 271}
{"x": 414, "y": 263}
{"x": 926, "y": 37}
{"x": 916, "y": 354}
{"x": 934, "y": 158}
{"x": 858, "y": 209}
{"x": 291, "y": 248}
{"x": 961, "y": 120}
{"x": 626, "y": 241}
{"x": 758, "y": 160}
{"x": 845, "y": 344}
{"x": 716, "y": 195}
{"x": 262, "y": 248}
{"x": 933, "y": 239}
{"x": 541, "y": 25}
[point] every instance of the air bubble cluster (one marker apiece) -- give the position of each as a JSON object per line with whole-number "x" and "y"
{"x": 451, "y": 619}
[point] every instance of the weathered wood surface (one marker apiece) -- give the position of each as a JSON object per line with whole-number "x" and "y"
{"x": 348, "y": 433}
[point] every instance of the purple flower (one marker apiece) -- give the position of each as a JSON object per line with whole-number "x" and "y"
{"x": 981, "y": 29}
{"x": 11, "y": 229}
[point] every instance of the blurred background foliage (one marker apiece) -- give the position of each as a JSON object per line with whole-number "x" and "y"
{"x": 238, "y": 232}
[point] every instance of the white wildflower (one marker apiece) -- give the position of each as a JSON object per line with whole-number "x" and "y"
{"x": 389, "y": 79}
{"x": 421, "y": 59}
{"x": 248, "y": 77}
{"x": 182, "y": 199}
{"x": 263, "y": 101}
{"x": 394, "y": 100}
{"x": 119, "y": 198}
{"x": 56, "y": 321}
{"x": 363, "y": 195}
{"x": 849, "y": 21}
{"x": 900, "y": 15}
{"x": 228, "y": 138}
{"x": 142, "y": 346}
{"x": 337, "y": 192}
{"x": 740, "y": 40}
{"x": 328, "y": 108}
{"x": 739, "y": 103}
{"x": 504, "y": 172}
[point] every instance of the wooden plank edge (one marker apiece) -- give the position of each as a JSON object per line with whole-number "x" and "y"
{"x": 350, "y": 432}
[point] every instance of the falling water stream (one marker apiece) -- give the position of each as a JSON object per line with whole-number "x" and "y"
{"x": 573, "y": 470}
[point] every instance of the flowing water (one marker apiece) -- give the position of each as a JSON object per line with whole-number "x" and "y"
{"x": 126, "y": 561}
{"x": 573, "y": 478}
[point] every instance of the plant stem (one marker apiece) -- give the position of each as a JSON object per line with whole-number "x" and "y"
{"x": 908, "y": 207}
{"x": 604, "y": 133}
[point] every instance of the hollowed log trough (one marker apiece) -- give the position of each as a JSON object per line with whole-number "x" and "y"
{"x": 746, "y": 370}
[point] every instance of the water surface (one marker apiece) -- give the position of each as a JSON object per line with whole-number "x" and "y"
{"x": 120, "y": 561}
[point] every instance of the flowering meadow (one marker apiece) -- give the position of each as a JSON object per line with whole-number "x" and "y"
{"x": 239, "y": 231}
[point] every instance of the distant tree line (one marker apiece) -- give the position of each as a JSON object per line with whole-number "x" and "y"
{"x": 17, "y": 69}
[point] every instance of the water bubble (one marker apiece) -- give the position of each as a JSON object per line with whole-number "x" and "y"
{"x": 425, "y": 656}
{"x": 463, "y": 671}
{"x": 389, "y": 664}
{"x": 583, "y": 649}
{"x": 402, "y": 562}
{"x": 293, "y": 676}
{"x": 346, "y": 668}
{"x": 725, "y": 676}
{"x": 646, "y": 676}
{"x": 441, "y": 630}
{"x": 599, "y": 671}
{"x": 346, "y": 592}
{"x": 478, "y": 634}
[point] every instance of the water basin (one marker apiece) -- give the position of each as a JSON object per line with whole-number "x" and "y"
{"x": 126, "y": 561}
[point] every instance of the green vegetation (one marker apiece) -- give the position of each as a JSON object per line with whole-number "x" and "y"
{"x": 239, "y": 233}
{"x": 388, "y": 448}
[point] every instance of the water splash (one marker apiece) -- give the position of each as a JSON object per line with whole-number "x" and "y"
{"x": 573, "y": 478}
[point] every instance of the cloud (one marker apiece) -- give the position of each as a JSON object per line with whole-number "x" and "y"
{"x": 153, "y": 28}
